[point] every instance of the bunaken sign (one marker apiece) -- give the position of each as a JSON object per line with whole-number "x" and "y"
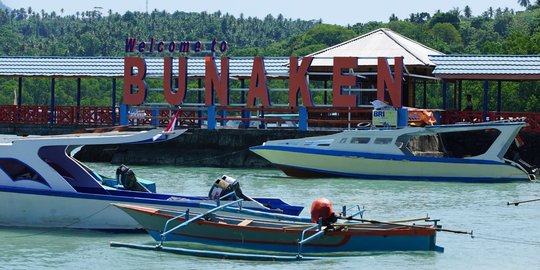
{"x": 217, "y": 83}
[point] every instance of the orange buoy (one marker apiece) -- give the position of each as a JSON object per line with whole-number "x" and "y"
{"x": 321, "y": 208}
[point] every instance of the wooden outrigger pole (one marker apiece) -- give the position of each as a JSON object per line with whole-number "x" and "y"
{"x": 437, "y": 228}
{"x": 518, "y": 202}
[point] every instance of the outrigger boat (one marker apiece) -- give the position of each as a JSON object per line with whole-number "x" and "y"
{"x": 459, "y": 152}
{"x": 320, "y": 235}
{"x": 42, "y": 185}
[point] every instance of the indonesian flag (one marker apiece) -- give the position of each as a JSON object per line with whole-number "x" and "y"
{"x": 170, "y": 126}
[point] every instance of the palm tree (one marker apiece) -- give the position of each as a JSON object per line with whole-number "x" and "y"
{"x": 524, "y": 3}
{"x": 467, "y": 12}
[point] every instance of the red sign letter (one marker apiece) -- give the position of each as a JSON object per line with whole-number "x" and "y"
{"x": 174, "y": 97}
{"x": 130, "y": 79}
{"x": 393, "y": 83}
{"x": 341, "y": 80}
{"x": 213, "y": 80}
{"x": 258, "y": 87}
{"x": 298, "y": 82}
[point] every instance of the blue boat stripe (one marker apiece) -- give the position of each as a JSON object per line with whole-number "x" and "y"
{"x": 102, "y": 197}
{"x": 341, "y": 153}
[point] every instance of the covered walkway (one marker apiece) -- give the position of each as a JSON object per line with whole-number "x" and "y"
{"x": 488, "y": 69}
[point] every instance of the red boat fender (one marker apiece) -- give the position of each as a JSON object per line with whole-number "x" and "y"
{"x": 321, "y": 208}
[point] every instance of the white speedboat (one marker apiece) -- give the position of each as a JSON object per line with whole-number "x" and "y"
{"x": 484, "y": 152}
{"x": 42, "y": 185}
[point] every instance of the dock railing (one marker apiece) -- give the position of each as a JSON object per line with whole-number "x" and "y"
{"x": 214, "y": 117}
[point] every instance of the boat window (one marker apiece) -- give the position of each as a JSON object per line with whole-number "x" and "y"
{"x": 319, "y": 142}
{"x": 60, "y": 170}
{"x": 360, "y": 140}
{"x": 17, "y": 170}
{"x": 458, "y": 144}
{"x": 343, "y": 140}
{"x": 383, "y": 140}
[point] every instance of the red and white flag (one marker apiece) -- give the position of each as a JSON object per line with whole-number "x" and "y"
{"x": 170, "y": 126}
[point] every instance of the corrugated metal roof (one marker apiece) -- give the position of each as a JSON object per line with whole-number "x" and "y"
{"x": 379, "y": 43}
{"x": 480, "y": 66}
{"x": 114, "y": 66}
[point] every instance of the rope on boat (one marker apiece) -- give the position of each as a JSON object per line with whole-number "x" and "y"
{"x": 508, "y": 240}
{"x": 67, "y": 226}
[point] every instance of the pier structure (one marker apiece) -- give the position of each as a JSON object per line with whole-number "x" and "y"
{"x": 270, "y": 92}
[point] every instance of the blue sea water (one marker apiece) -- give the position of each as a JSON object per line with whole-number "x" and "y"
{"x": 506, "y": 237}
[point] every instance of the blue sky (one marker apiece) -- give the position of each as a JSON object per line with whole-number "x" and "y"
{"x": 339, "y": 12}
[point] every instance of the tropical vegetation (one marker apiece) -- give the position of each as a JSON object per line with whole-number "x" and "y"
{"x": 28, "y": 32}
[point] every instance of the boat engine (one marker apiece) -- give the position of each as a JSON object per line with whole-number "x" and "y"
{"x": 225, "y": 185}
{"x": 322, "y": 208}
{"x": 126, "y": 177}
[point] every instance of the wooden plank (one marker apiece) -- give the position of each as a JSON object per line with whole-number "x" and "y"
{"x": 245, "y": 222}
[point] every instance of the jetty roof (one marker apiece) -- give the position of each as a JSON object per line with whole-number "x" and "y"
{"x": 113, "y": 67}
{"x": 487, "y": 67}
{"x": 378, "y": 43}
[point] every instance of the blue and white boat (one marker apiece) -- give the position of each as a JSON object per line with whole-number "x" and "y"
{"x": 42, "y": 185}
{"x": 484, "y": 152}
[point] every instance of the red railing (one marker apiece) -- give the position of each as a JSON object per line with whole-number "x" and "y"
{"x": 531, "y": 118}
{"x": 161, "y": 117}
{"x": 262, "y": 116}
{"x": 63, "y": 115}
{"x": 338, "y": 117}
{"x": 330, "y": 117}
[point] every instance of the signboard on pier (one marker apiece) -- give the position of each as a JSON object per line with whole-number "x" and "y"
{"x": 216, "y": 81}
{"x": 384, "y": 118}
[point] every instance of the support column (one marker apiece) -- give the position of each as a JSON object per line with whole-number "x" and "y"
{"x": 444, "y": 90}
{"x": 51, "y": 113}
{"x": 124, "y": 115}
{"x": 455, "y": 97}
{"x": 325, "y": 92}
{"x": 244, "y": 113}
{"x": 199, "y": 100}
{"x": 485, "y": 105}
{"x": 155, "y": 117}
{"x": 78, "y": 92}
{"x": 78, "y": 114}
{"x": 114, "y": 101}
{"x": 19, "y": 93}
{"x": 499, "y": 96}
{"x": 211, "y": 117}
{"x": 425, "y": 94}
{"x": 460, "y": 94}
{"x": 302, "y": 118}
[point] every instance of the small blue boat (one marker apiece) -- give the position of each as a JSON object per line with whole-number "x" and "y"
{"x": 283, "y": 236}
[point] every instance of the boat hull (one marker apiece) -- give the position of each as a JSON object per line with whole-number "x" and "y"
{"x": 285, "y": 239}
{"x": 35, "y": 208}
{"x": 303, "y": 162}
